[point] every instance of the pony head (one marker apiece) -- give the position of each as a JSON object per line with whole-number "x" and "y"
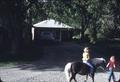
{"x": 99, "y": 63}
{"x": 102, "y": 63}
{"x": 102, "y": 59}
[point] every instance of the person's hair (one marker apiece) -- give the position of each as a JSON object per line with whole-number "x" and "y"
{"x": 86, "y": 49}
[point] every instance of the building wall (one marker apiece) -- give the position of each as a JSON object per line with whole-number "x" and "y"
{"x": 59, "y": 34}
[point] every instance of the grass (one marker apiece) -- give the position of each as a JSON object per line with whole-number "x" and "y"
{"x": 7, "y": 64}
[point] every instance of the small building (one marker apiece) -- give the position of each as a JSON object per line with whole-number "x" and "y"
{"x": 51, "y": 30}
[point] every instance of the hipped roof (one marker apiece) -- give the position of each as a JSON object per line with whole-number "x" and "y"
{"x": 50, "y": 23}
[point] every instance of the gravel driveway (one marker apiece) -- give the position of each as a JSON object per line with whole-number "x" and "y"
{"x": 18, "y": 75}
{"x": 50, "y": 67}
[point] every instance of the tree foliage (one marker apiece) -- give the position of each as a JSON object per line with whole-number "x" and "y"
{"x": 100, "y": 17}
{"x": 96, "y": 18}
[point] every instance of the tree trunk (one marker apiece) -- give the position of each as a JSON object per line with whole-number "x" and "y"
{"x": 12, "y": 19}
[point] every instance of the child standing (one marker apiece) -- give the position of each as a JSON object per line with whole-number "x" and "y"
{"x": 111, "y": 66}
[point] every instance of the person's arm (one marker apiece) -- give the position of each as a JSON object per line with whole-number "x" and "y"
{"x": 114, "y": 65}
{"x": 83, "y": 57}
{"x": 108, "y": 64}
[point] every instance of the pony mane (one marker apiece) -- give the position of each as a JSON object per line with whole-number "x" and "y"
{"x": 95, "y": 61}
{"x": 102, "y": 59}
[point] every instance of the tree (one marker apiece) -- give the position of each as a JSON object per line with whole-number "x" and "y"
{"x": 14, "y": 18}
{"x": 100, "y": 17}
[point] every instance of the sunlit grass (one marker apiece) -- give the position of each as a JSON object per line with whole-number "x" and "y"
{"x": 7, "y": 64}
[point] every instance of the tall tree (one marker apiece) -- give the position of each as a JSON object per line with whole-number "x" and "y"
{"x": 15, "y": 17}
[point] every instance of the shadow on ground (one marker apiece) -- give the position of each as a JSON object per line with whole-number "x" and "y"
{"x": 56, "y": 56}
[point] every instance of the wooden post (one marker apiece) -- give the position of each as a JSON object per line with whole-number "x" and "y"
{"x": 33, "y": 36}
{"x": 60, "y": 39}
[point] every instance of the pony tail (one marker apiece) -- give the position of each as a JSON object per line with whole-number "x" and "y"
{"x": 67, "y": 71}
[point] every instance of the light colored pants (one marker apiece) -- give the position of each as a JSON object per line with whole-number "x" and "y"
{"x": 86, "y": 62}
{"x": 91, "y": 67}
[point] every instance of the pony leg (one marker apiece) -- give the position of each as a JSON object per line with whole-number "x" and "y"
{"x": 70, "y": 79}
{"x": 73, "y": 77}
{"x": 68, "y": 72}
{"x": 68, "y": 76}
{"x": 93, "y": 78}
{"x": 86, "y": 78}
{"x": 75, "y": 80}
